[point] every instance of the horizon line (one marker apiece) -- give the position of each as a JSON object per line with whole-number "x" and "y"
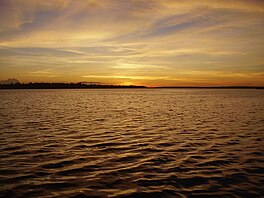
{"x": 83, "y": 85}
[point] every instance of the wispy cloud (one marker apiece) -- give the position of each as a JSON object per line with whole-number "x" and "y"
{"x": 43, "y": 73}
{"x": 126, "y": 77}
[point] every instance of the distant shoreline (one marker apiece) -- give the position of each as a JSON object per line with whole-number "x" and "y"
{"x": 98, "y": 86}
{"x": 64, "y": 86}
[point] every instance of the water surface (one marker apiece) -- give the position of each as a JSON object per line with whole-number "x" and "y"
{"x": 132, "y": 143}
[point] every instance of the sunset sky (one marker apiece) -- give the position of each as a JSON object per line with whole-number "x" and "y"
{"x": 141, "y": 42}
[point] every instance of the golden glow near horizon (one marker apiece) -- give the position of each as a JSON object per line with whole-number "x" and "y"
{"x": 153, "y": 43}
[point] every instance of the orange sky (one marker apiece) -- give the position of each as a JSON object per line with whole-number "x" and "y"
{"x": 153, "y": 43}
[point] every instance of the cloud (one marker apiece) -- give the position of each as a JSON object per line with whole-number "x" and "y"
{"x": 9, "y": 81}
{"x": 36, "y": 51}
{"x": 126, "y": 77}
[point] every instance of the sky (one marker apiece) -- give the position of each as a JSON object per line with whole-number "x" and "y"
{"x": 139, "y": 42}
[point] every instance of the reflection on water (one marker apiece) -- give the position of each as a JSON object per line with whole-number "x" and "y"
{"x": 133, "y": 143}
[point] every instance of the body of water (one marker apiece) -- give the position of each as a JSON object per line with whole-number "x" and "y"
{"x": 132, "y": 143}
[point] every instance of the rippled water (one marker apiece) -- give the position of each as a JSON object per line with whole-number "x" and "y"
{"x": 132, "y": 143}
